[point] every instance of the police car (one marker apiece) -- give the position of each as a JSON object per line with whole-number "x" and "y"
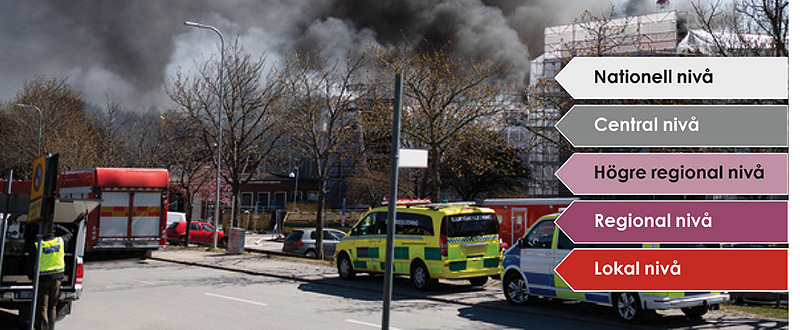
{"x": 528, "y": 272}
{"x": 432, "y": 241}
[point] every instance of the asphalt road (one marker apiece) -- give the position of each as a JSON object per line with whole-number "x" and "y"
{"x": 150, "y": 294}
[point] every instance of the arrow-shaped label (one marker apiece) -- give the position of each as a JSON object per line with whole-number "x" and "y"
{"x": 676, "y": 77}
{"x": 676, "y": 221}
{"x": 675, "y": 269}
{"x": 676, "y": 125}
{"x": 676, "y": 174}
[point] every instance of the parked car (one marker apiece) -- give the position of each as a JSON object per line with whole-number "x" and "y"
{"x": 303, "y": 241}
{"x": 199, "y": 233}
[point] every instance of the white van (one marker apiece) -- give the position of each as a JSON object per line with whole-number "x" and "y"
{"x": 175, "y": 217}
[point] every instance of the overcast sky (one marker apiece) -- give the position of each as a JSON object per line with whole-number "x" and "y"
{"x": 124, "y": 50}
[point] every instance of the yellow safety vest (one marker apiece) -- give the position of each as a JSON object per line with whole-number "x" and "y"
{"x": 52, "y": 259}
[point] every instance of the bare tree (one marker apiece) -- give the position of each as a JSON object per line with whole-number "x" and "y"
{"x": 444, "y": 94}
{"x": 323, "y": 118}
{"x": 66, "y": 129}
{"x": 745, "y": 27}
{"x": 251, "y": 125}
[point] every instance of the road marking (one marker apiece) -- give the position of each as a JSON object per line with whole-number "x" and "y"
{"x": 144, "y": 282}
{"x": 236, "y": 299}
{"x": 367, "y": 324}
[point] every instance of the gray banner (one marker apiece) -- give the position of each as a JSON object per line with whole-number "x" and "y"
{"x": 676, "y": 126}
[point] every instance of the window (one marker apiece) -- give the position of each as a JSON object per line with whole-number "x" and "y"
{"x": 373, "y": 223}
{"x": 541, "y": 236}
{"x": 208, "y": 228}
{"x": 465, "y": 225}
{"x": 337, "y": 235}
{"x": 263, "y": 199}
{"x": 332, "y": 235}
{"x": 413, "y": 224}
{"x": 173, "y": 225}
{"x": 294, "y": 236}
{"x": 280, "y": 200}
{"x": 312, "y": 195}
{"x": 195, "y": 226}
{"x": 247, "y": 200}
{"x": 298, "y": 195}
{"x": 564, "y": 243}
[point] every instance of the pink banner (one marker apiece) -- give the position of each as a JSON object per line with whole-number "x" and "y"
{"x": 676, "y": 174}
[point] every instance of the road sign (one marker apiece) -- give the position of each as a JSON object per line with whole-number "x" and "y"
{"x": 676, "y": 78}
{"x": 37, "y": 188}
{"x": 676, "y": 125}
{"x": 675, "y": 221}
{"x": 658, "y": 269}
{"x": 676, "y": 174}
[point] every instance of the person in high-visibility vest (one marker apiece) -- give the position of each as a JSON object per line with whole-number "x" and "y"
{"x": 51, "y": 272}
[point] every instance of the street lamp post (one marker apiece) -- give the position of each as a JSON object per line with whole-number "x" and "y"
{"x": 39, "y": 148}
{"x": 296, "y": 174}
{"x": 219, "y": 113}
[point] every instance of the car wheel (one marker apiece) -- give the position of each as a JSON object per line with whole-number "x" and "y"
{"x": 515, "y": 289}
{"x": 63, "y": 308}
{"x": 420, "y": 276}
{"x": 628, "y": 307}
{"x": 346, "y": 271}
{"x": 311, "y": 254}
{"x": 478, "y": 281}
{"x": 695, "y": 312}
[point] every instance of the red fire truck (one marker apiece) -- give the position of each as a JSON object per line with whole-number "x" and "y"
{"x": 514, "y": 216}
{"x": 133, "y": 211}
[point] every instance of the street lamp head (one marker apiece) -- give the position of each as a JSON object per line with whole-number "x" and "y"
{"x": 192, "y": 24}
{"x": 291, "y": 175}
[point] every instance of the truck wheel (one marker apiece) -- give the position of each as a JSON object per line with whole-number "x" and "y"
{"x": 515, "y": 289}
{"x": 346, "y": 271}
{"x": 420, "y": 277}
{"x": 63, "y": 309}
{"x": 628, "y": 306}
{"x": 478, "y": 281}
{"x": 695, "y": 312}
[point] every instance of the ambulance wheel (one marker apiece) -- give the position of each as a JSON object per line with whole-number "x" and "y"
{"x": 478, "y": 281}
{"x": 346, "y": 271}
{"x": 420, "y": 277}
{"x": 628, "y": 307}
{"x": 515, "y": 289}
{"x": 695, "y": 312}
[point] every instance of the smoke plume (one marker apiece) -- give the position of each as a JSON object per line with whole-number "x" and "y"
{"x": 125, "y": 50}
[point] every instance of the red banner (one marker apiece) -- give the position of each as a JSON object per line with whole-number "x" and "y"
{"x": 676, "y": 269}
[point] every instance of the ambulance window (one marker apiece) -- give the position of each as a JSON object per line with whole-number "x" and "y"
{"x": 372, "y": 224}
{"x": 541, "y": 236}
{"x": 564, "y": 243}
{"x": 364, "y": 226}
{"x": 413, "y": 224}
{"x": 475, "y": 224}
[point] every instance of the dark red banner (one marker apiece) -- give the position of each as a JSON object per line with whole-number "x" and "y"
{"x": 676, "y": 269}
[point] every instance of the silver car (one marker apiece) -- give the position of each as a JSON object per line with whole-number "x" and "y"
{"x": 303, "y": 241}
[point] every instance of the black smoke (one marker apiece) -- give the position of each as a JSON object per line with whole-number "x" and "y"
{"x": 126, "y": 49}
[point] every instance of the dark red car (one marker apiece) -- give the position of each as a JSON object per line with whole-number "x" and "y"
{"x": 200, "y": 233}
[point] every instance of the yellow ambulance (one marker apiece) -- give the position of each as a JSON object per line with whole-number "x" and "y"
{"x": 433, "y": 241}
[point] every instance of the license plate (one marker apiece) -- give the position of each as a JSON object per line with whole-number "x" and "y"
{"x": 23, "y": 295}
